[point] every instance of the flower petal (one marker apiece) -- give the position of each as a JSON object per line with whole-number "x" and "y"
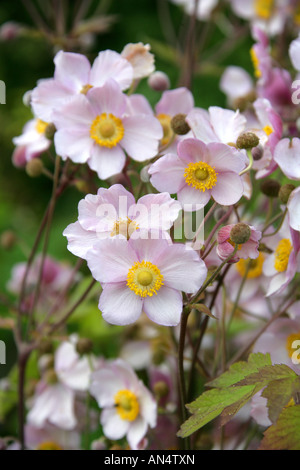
{"x": 119, "y": 304}
{"x": 165, "y": 307}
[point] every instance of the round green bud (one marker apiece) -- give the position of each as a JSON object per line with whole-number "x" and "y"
{"x": 257, "y": 153}
{"x": 8, "y": 239}
{"x": 240, "y": 233}
{"x": 179, "y": 124}
{"x": 45, "y": 347}
{"x": 247, "y": 141}
{"x": 160, "y": 389}
{"x": 50, "y": 377}
{"x": 84, "y": 346}
{"x": 270, "y": 188}
{"x": 34, "y": 168}
{"x": 50, "y": 131}
{"x": 285, "y": 192}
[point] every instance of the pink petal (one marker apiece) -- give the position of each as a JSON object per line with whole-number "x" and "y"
{"x": 114, "y": 427}
{"x": 228, "y": 190}
{"x": 227, "y": 124}
{"x": 136, "y": 432}
{"x": 192, "y": 151}
{"x": 72, "y": 70}
{"x": 110, "y": 64}
{"x": 111, "y": 259}
{"x": 80, "y": 241}
{"x": 167, "y": 174}
{"x": 141, "y": 137}
{"x": 192, "y": 199}
{"x": 287, "y": 156}
{"x": 224, "y": 158}
{"x": 73, "y": 144}
{"x": 77, "y": 114}
{"x": 165, "y": 308}
{"x": 199, "y": 122}
{"x": 182, "y": 268}
{"x": 107, "y": 161}
{"x": 107, "y": 99}
{"x": 119, "y": 304}
{"x": 47, "y": 96}
{"x": 158, "y": 211}
{"x": 294, "y": 209}
{"x": 179, "y": 100}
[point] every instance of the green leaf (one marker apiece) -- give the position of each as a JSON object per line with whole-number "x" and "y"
{"x": 285, "y": 434}
{"x": 203, "y": 309}
{"x": 267, "y": 374}
{"x": 210, "y": 405}
{"x": 240, "y": 370}
{"x": 278, "y": 393}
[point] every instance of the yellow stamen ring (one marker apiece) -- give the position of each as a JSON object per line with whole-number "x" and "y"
{"x": 144, "y": 279}
{"x": 165, "y": 121}
{"x": 127, "y": 405}
{"x": 41, "y": 126}
{"x": 254, "y": 270}
{"x": 201, "y": 176}
{"x": 282, "y": 255}
{"x": 107, "y": 130}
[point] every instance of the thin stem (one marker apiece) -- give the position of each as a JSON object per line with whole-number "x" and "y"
{"x": 182, "y": 388}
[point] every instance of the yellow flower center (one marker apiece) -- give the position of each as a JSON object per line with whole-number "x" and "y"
{"x": 144, "y": 279}
{"x": 86, "y": 88}
{"x": 127, "y": 405}
{"x": 165, "y": 121}
{"x": 40, "y": 126}
{"x": 268, "y": 130}
{"x": 201, "y": 176}
{"x": 264, "y": 8}
{"x": 107, "y": 130}
{"x": 255, "y": 61}
{"x": 124, "y": 227}
{"x": 254, "y": 267}
{"x": 291, "y": 346}
{"x": 297, "y": 15}
{"x": 282, "y": 255}
{"x": 49, "y": 445}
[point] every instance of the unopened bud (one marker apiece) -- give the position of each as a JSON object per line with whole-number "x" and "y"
{"x": 257, "y": 152}
{"x": 240, "y": 233}
{"x": 8, "y": 239}
{"x": 247, "y": 141}
{"x": 270, "y": 188}
{"x": 50, "y": 377}
{"x": 160, "y": 389}
{"x": 50, "y": 131}
{"x": 45, "y": 347}
{"x": 179, "y": 124}
{"x": 145, "y": 177}
{"x": 34, "y": 168}
{"x": 84, "y": 346}
{"x": 285, "y": 192}
{"x": 27, "y": 98}
{"x": 159, "y": 81}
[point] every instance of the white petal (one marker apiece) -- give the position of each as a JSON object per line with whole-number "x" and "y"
{"x": 165, "y": 307}
{"x": 119, "y": 304}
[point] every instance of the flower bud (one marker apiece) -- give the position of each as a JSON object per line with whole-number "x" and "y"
{"x": 247, "y": 141}
{"x": 27, "y": 98}
{"x": 50, "y": 377}
{"x": 270, "y": 188}
{"x": 257, "y": 152}
{"x": 179, "y": 124}
{"x": 159, "y": 81}
{"x": 34, "y": 168}
{"x": 8, "y": 239}
{"x": 84, "y": 346}
{"x": 160, "y": 389}
{"x": 50, "y": 131}
{"x": 285, "y": 191}
{"x": 144, "y": 175}
{"x": 240, "y": 233}
{"x": 45, "y": 347}
{"x": 219, "y": 213}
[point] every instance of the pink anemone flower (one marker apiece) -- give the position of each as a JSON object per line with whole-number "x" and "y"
{"x": 144, "y": 275}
